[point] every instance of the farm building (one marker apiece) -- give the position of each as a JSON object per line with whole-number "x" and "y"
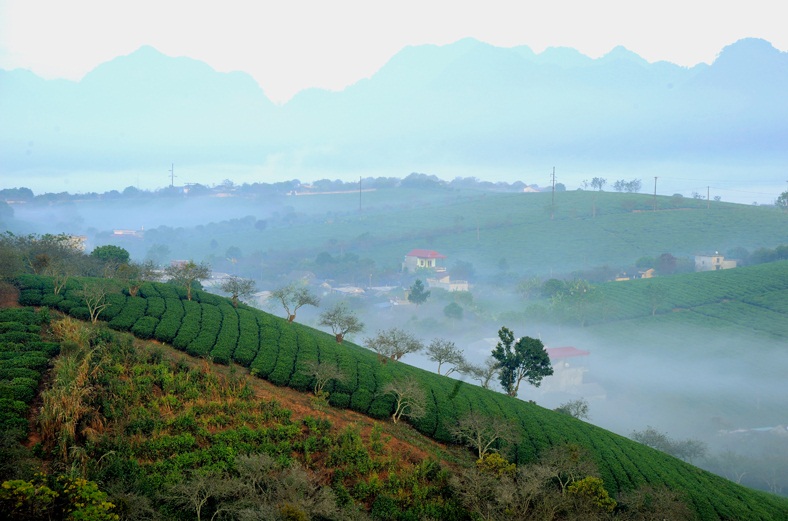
{"x": 443, "y": 281}
{"x": 713, "y": 262}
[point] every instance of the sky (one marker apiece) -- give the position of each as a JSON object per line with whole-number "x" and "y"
{"x": 299, "y": 44}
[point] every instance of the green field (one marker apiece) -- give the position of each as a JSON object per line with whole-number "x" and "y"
{"x": 587, "y": 229}
{"x": 753, "y": 298}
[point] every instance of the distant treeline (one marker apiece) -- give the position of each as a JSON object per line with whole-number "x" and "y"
{"x": 414, "y": 180}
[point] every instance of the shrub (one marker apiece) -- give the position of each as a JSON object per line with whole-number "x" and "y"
{"x": 144, "y": 327}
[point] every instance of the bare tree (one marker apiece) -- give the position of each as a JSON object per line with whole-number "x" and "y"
{"x": 323, "y": 372}
{"x": 60, "y": 270}
{"x": 293, "y": 296}
{"x": 598, "y": 183}
{"x": 481, "y": 431}
{"x": 409, "y": 398}
{"x": 134, "y": 274}
{"x": 575, "y": 408}
{"x": 445, "y": 352}
{"x": 341, "y": 320}
{"x": 393, "y": 344}
{"x": 483, "y": 373}
{"x": 94, "y": 293}
{"x": 200, "y": 492}
{"x": 187, "y": 273}
{"x": 238, "y": 288}
{"x": 568, "y": 463}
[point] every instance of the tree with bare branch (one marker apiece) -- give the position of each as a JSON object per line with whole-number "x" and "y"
{"x": 187, "y": 273}
{"x": 410, "y": 400}
{"x": 341, "y": 320}
{"x": 238, "y": 288}
{"x": 323, "y": 372}
{"x": 483, "y": 432}
{"x": 94, "y": 293}
{"x": 483, "y": 373}
{"x": 134, "y": 274}
{"x": 445, "y": 352}
{"x": 294, "y": 296}
{"x": 393, "y": 344}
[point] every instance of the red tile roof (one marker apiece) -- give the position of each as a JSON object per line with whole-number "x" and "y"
{"x": 565, "y": 352}
{"x": 425, "y": 254}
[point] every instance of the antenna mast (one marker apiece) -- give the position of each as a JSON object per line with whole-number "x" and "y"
{"x": 172, "y": 175}
{"x": 655, "y": 193}
{"x": 552, "y": 201}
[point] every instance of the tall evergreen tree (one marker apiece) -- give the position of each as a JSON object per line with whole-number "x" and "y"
{"x": 525, "y": 359}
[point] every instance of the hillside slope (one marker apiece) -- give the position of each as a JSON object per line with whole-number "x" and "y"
{"x": 277, "y": 351}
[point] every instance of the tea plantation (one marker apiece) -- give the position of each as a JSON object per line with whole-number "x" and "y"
{"x": 276, "y": 350}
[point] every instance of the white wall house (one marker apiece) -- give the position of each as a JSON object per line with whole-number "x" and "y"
{"x": 713, "y": 262}
{"x": 417, "y": 259}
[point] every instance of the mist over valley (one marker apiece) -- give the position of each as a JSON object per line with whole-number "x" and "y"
{"x": 629, "y": 215}
{"x": 715, "y": 379}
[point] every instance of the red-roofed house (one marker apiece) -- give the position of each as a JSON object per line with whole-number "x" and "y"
{"x": 416, "y": 259}
{"x": 560, "y": 353}
{"x": 567, "y": 370}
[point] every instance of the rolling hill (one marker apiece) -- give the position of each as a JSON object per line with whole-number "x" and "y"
{"x": 277, "y": 350}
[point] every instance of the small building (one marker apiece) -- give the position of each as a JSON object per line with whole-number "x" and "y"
{"x": 420, "y": 259}
{"x": 349, "y": 291}
{"x": 443, "y": 281}
{"x": 133, "y": 234}
{"x": 713, "y": 262}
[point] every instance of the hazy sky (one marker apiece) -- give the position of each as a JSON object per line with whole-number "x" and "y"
{"x": 292, "y": 45}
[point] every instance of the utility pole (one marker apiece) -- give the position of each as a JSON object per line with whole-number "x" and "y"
{"x": 707, "y": 197}
{"x": 552, "y": 201}
{"x": 172, "y": 175}
{"x": 359, "y": 194}
{"x": 655, "y": 193}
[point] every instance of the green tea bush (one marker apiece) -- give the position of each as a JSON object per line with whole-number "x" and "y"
{"x": 30, "y": 297}
{"x": 131, "y": 312}
{"x": 209, "y": 330}
{"x": 19, "y": 337}
{"x": 156, "y": 307}
{"x": 51, "y": 300}
{"x": 266, "y": 356}
{"x": 248, "y": 339}
{"x": 144, "y": 327}
{"x": 190, "y": 327}
{"x": 285, "y": 361}
{"x": 116, "y": 301}
{"x": 150, "y": 290}
{"x": 170, "y": 321}
{"x": 65, "y": 305}
{"x": 20, "y": 389}
{"x": 228, "y": 335}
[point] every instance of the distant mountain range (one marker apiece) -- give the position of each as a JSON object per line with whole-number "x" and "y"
{"x": 468, "y": 103}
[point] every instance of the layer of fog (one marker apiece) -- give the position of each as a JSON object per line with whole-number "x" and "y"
{"x": 725, "y": 390}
